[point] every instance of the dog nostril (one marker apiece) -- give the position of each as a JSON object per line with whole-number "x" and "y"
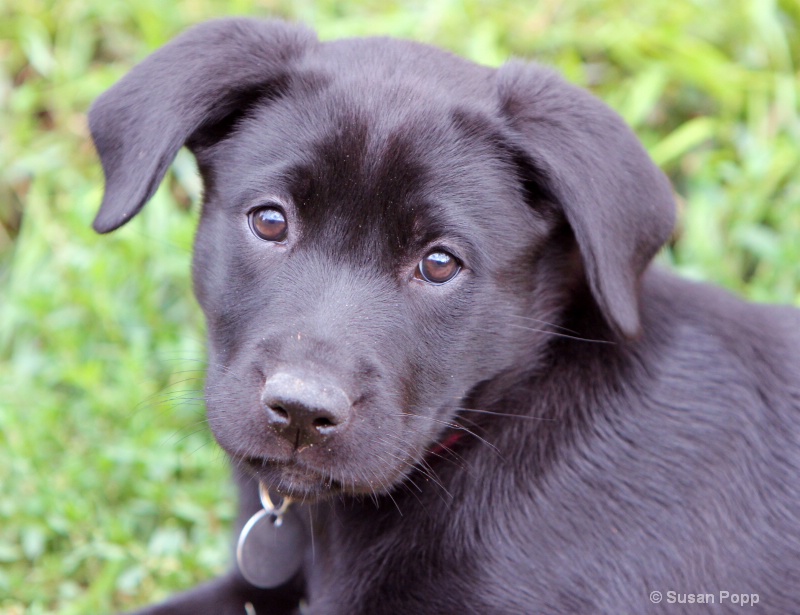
{"x": 278, "y": 415}
{"x": 322, "y": 422}
{"x": 280, "y": 412}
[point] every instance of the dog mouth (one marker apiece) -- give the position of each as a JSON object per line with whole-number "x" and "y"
{"x": 291, "y": 478}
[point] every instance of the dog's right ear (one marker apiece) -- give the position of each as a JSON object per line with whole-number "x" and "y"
{"x": 188, "y": 86}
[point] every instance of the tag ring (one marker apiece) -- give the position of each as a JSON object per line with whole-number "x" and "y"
{"x": 266, "y": 501}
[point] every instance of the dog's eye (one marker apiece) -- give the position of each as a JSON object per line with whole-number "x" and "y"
{"x": 438, "y": 267}
{"x": 268, "y": 223}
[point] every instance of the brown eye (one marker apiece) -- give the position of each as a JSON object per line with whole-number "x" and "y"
{"x": 438, "y": 267}
{"x": 268, "y": 223}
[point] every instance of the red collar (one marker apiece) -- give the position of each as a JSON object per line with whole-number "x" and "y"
{"x": 447, "y": 444}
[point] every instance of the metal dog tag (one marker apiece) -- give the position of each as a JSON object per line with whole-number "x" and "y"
{"x": 271, "y": 545}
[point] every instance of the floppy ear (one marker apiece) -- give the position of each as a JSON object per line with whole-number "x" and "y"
{"x": 188, "y": 86}
{"x": 582, "y": 156}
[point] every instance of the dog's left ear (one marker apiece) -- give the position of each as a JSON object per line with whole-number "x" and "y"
{"x": 583, "y": 156}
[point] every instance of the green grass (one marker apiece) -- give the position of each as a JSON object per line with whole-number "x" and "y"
{"x": 113, "y": 493}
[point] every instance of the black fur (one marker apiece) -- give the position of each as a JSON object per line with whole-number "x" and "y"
{"x": 623, "y": 431}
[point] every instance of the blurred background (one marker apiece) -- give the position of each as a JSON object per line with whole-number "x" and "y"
{"x": 113, "y": 493}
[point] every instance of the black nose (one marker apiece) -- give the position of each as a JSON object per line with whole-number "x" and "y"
{"x": 304, "y": 409}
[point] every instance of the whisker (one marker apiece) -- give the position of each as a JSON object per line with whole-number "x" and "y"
{"x": 450, "y": 456}
{"x": 408, "y": 489}
{"x": 507, "y": 415}
{"x": 165, "y": 391}
{"x": 429, "y": 474}
{"x": 557, "y": 334}
{"x": 427, "y": 470}
{"x": 396, "y": 505}
{"x": 544, "y": 322}
{"x": 458, "y": 427}
{"x": 203, "y": 445}
{"x": 311, "y": 531}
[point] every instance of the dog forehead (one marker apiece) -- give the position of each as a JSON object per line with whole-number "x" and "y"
{"x": 392, "y": 154}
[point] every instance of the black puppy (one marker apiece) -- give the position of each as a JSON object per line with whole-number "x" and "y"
{"x": 433, "y": 325}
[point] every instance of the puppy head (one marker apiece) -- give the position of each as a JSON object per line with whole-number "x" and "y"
{"x": 384, "y": 228}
